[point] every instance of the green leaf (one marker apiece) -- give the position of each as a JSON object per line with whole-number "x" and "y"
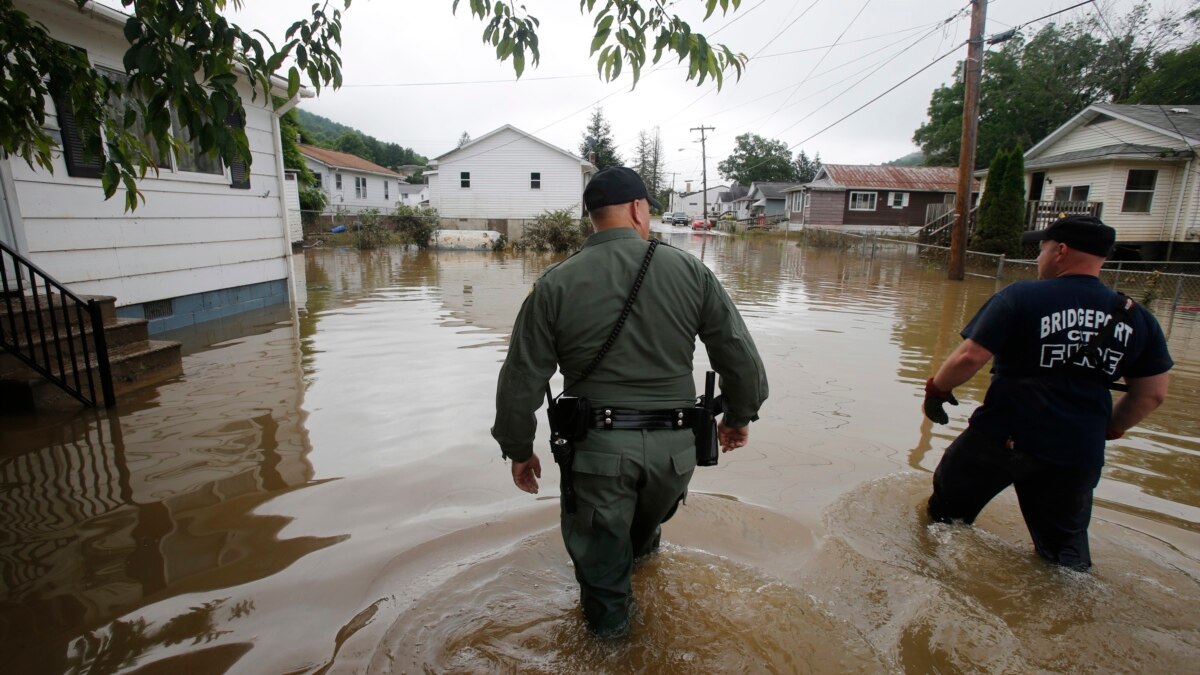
{"x": 293, "y": 82}
{"x": 599, "y": 40}
{"x": 519, "y": 62}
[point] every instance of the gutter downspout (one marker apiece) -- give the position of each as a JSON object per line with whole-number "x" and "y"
{"x": 277, "y": 135}
{"x": 1183, "y": 189}
{"x": 12, "y": 226}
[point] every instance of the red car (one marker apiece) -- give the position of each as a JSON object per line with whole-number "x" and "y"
{"x": 701, "y": 224}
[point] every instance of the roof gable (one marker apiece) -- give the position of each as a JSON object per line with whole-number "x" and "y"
{"x": 344, "y": 160}
{"x": 509, "y": 127}
{"x": 1178, "y": 126}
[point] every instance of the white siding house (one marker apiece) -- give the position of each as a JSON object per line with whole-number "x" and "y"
{"x": 1133, "y": 164}
{"x": 413, "y": 195}
{"x": 351, "y": 183}
{"x": 503, "y": 178}
{"x": 207, "y": 242}
{"x": 692, "y": 203}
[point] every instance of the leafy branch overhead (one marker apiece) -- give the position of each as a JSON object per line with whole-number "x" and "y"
{"x": 623, "y": 29}
{"x": 177, "y": 88}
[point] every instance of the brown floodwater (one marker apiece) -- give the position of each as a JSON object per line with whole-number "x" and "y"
{"x": 319, "y": 493}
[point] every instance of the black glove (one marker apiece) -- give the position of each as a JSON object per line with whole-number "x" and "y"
{"x": 934, "y": 400}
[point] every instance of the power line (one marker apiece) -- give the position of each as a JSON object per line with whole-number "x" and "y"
{"x": 820, "y": 60}
{"x": 885, "y": 93}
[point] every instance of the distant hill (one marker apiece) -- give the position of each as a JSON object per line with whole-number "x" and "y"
{"x": 325, "y": 133}
{"x": 911, "y": 159}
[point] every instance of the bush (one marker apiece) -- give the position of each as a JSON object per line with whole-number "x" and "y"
{"x": 415, "y": 225}
{"x": 1000, "y": 218}
{"x": 556, "y": 231}
{"x": 369, "y": 231}
{"x": 312, "y": 199}
{"x": 819, "y": 238}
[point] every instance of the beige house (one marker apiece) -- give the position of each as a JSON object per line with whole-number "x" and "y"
{"x": 1134, "y": 166}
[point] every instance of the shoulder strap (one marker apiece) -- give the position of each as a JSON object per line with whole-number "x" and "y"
{"x": 1122, "y": 308}
{"x": 637, "y": 285}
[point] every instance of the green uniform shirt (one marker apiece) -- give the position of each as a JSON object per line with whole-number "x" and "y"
{"x": 571, "y": 312}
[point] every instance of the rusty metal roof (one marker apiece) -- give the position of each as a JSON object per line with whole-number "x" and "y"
{"x": 344, "y": 160}
{"x": 907, "y": 178}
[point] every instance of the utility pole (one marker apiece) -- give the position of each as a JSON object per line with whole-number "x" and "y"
{"x": 973, "y": 72}
{"x": 704, "y": 171}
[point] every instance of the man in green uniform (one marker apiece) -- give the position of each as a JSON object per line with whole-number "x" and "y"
{"x": 628, "y": 476}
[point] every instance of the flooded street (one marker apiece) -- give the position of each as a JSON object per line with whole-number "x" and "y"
{"x": 321, "y": 494}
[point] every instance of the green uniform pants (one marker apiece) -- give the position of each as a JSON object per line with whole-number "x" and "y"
{"x": 626, "y": 484}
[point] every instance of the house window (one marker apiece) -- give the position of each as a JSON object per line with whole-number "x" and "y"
{"x": 317, "y": 180}
{"x": 897, "y": 200}
{"x": 535, "y": 180}
{"x": 190, "y": 157}
{"x": 360, "y": 187}
{"x": 862, "y": 201}
{"x": 1072, "y": 193}
{"x": 806, "y": 199}
{"x": 1139, "y": 190}
{"x": 464, "y": 179}
{"x": 117, "y": 109}
{"x": 385, "y": 190}
{"x": 337, "y": 180}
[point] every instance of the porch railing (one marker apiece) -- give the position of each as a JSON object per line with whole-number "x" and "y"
{"x": 45, "y": 326}
{"x": 1040, "y": 214}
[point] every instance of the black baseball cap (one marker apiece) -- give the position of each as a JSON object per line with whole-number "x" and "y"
{"x": 616, "y": 185}
{"x": 1082, "y": 233}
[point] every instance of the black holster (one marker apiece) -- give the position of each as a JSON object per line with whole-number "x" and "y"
{"x": 563, "y": 451}
{"x": 704, "y": 427}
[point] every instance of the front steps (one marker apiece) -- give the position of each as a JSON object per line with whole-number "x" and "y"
{"x": 136, "y": 362}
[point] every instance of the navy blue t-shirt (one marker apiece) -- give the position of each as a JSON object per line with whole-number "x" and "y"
{"x": 1031, "y": 328}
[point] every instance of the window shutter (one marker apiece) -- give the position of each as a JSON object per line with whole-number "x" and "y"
{"x": 80, "y": 162}
{"x": 239, "y": 171}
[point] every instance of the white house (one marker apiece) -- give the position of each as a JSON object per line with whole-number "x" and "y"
{"x": 351, "y": 183}
{"x": 1133, "y": 165}
{"x": 209, "y": 241}
{"x": 692, "y": 203}
{"x": 503, "y": 178}
{"x": 413, "y": 195}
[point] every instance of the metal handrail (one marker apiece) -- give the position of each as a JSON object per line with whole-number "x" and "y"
{"x": 29, "y": 304}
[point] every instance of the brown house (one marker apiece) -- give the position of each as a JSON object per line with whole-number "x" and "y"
{"x": 875, "y": 198}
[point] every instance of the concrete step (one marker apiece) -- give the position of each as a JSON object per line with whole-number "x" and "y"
{"x": 17, "y": 313}
{"x": 134, "y": 366}
{"x": 117, "y": 334}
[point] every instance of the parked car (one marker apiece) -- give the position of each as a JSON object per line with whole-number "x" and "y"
{"x": 676, "y": 218}
{"x": 701, "y": 224}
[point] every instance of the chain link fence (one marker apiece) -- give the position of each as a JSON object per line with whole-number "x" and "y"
{"x": 1171, "y": 290}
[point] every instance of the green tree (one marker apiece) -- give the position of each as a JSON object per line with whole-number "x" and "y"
{"x": 464, "y": 139}
{"x": 354, "y": 143}
{"x": 1000, "y": 218}
{"x": 1032, "y": 86}
{"x": 648, "y": 160}
{"x": 756, "y": 158}
{"x": 806, "y": 169}
{"x": 1174, "y": 79}
{"x": 185, "y": 58}
{"x": 597, "y": 138}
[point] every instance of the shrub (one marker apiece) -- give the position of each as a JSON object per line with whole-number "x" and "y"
{"x": 415, "y": 224}
{"x": 1000, "y": 218}
{"x": 369, "y": 231}
{"x": 556, "y": 231}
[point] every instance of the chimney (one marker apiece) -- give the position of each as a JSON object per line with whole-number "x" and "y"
{"x": 592, "y": 158}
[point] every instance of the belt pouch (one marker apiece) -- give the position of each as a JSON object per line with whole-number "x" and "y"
{"x": 572, "y": 417}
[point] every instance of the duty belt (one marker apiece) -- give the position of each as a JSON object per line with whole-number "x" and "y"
{"x": 625, "y": 418}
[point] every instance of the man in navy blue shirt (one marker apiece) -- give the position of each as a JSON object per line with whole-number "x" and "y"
{"x": 1057, "y": 343}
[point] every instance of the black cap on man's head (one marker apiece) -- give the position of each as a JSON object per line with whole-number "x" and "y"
{"x": 1082, "y": 233}
{"x": 616, "y": 185}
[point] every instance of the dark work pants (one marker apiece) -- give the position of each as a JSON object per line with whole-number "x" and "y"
{"x": 627, "y": 483}
{"x": 1056, "y": 501}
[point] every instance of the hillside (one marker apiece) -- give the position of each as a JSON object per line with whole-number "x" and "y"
{"x": 325, "y": 133}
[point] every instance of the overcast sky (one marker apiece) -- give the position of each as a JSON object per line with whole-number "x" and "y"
{"x": 418, "y": 75}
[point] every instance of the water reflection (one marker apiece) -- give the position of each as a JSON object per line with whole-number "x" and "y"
{"x": 319, "y": 492}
